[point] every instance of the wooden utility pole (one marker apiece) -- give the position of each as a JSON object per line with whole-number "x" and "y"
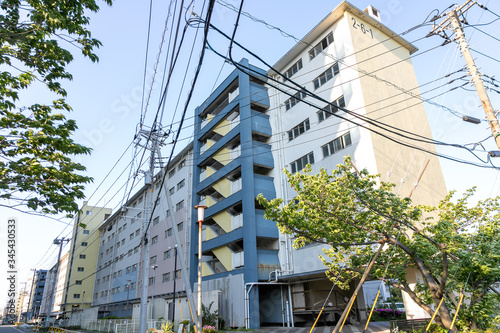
{"x": 453, "y": 20}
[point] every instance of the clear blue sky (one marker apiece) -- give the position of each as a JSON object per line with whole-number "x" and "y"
{"x": 106, "y": 97}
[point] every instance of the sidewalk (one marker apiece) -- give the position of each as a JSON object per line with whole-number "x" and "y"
{"x": 373, "y": 327}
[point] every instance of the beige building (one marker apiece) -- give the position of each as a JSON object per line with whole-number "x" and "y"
{"x": 78, "y": 286}
{"x": 350, "y": 59}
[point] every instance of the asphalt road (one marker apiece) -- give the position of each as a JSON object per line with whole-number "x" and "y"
{"x": 9, "y": 329}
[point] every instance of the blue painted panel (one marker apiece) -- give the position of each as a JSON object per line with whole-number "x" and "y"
{"x": 260, "y": 123}
{"x": 267, "y": 261}
{"x": 224, "y": 204}
{"x": 218, "y": 175}
{"x": 264, "y": 185}
{"x": 217, "y": 91}
{"x": 265, "y": 228}
{"x": 259, "y": 95}
{"x": 208, "y": 127}
{"x": 222, "y": 240}
{"x": 224, "y": 274}
{"x": 262, "y": 154}
{"x": 218, "y": 145}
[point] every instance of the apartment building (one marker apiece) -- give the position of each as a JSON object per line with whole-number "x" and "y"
{"x": 82, "y": 258}
{"x": 36, "y": 294}
{"x": 54, "y": 290}
{"x": 118, "y": 278}
{"x": 250, "y": 128}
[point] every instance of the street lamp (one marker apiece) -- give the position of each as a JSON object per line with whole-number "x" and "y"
{"x": 201, "y": 216}
{"x": 154, "y": 267}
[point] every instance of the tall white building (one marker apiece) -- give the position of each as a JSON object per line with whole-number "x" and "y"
{"x": 349, "y": 59}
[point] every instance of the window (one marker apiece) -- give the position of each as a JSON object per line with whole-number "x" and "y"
{"x": 80, "y": 269}
{"x": 117, "y": 290}
{"x": 85, "y": 232}
{"x": 120, "y": 272}
{"x": 119, "y": 229}
{"x": 101, "y": 254}
{"x": 180, "y": 226}
{"x": 111, "y": 249}
{"x": 125, "y": 226}
{"x": 132, "y": 285}
{"x": 134, "y": 267}
{"x": 132, "y": 236}
{"x": 84, "y": 243}
{"x": 130, "y": 252}
{"x": 171, "y": 191}
{"x": 337, "y": 144}
{"x": 137, "y": 232}
{"x": 299, "y": 129}
{"x": 167, "y": 213}
{"x": 330, "y": 109}
{"x": 168, "y": 232}
{"x": 179, "y": 206}
{"x": 83, "y": 256}
{"x": 294, "y": 100}
{"x": 166, "y": 277}
{"x": 88, "y": 212}
{"x": 96, "y": 295}
{"x": 117, "y": 245}
{"x": 181, "y": 164}
{"x": 154, "y": 240}
{"x": 78, "y": 282}
{"x": 171, "y": 173}
{"x": 302, "y": 162}
{"x": 128, "y": 269}
{"x": 114, "y": 275}
{"x": 139, "y": 200}
{"x": 98, "y": 281}
{"x": 152, "y": 260}
{"x": 323, "y": 44}
{"x": 107, "y": 251}
{"x": 293, "y": 69}
{"x": 156, "y": 220}
{"x": 76, "y": 295}
{"x": 151, "y": 281}
{"x": 136, "y": 249}
{"x": 167, "y": 254}
{"x": 326, "y": 76}
{"x": 178, "y": 274}
{"x": 181, "y": 184}
{"x": 123, "y": 241}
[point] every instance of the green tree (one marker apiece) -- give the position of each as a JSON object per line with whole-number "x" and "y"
{"x": 36, "y": 148}
{"x": 453, "y": 246}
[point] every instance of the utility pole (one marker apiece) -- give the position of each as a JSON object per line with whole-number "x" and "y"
{"x": 60, "y": 242}
{"x": 453, "y": 20}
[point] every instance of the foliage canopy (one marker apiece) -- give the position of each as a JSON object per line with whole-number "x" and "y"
{"x": 36, "y": 148}
{"x": 453, "y": 247}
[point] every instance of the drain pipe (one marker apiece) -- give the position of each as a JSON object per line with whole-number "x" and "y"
{"x": 290, "y": 303}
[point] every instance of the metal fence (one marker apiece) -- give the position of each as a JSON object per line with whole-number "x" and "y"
{"x": 112, "y": 325}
